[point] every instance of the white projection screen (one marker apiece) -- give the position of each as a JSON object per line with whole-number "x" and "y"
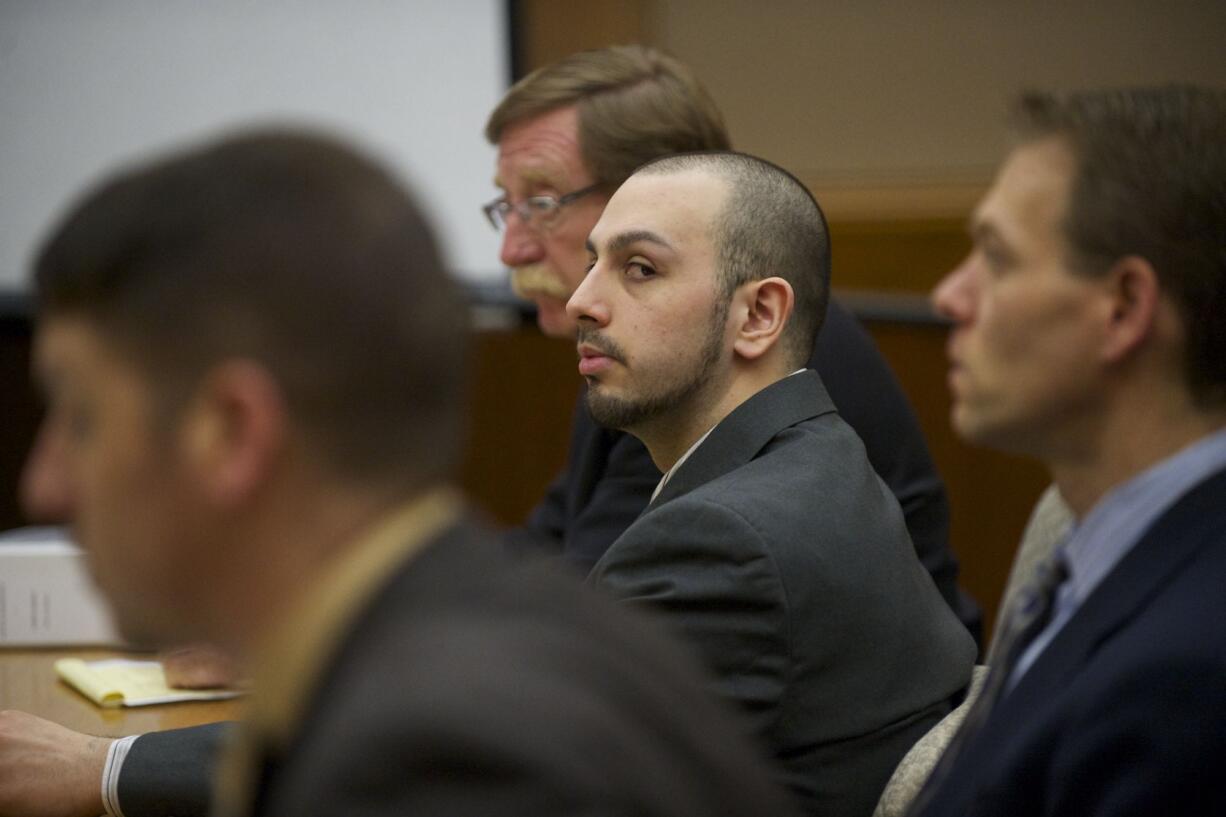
{"x": 87, "y": 84}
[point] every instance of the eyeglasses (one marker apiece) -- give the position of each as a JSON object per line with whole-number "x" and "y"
{"x": 534, "y": 211}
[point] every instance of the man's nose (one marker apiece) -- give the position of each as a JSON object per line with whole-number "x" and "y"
{"x": 520, "y": 244}
{"x": 587, "y": 303}
{"x": 45, "y": 490}
{"x": 953, "y": 297}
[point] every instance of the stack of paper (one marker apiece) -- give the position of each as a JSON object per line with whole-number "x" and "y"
{"x": 46, "y": 595}
{"x": 115, "y": 682}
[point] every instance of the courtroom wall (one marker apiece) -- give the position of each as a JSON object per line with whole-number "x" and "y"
{"x": 894, "y": 108}
{"x": 893, "y": 113}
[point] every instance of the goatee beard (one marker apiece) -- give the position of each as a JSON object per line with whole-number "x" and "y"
{"x": 659, "y": 393}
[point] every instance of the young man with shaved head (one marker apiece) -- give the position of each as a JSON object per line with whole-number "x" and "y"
{"x": 770, "y": 542}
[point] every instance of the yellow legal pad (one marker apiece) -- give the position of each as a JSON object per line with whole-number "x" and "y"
{"x": 116, "y": 682}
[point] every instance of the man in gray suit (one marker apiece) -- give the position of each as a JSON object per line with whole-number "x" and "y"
{"x": 770, "y": 542}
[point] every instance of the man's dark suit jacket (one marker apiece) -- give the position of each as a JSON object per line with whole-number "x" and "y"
{"x": 778, "y": 551}
{"x": 1124, "y": 712}
{"x": 609, "y": 475}
{"x": 475, "y": 684}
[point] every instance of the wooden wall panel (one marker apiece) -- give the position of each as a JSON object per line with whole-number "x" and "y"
{"x": 990, "y": 494}
{"x": 903, "y": 255}
{"x": 524, "y": 387}
{"x": 884, "y": 98}
{"x": 552, "y": 29}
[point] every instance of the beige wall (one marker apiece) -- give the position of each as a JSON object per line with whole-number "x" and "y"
{"x": 894, "y": 108}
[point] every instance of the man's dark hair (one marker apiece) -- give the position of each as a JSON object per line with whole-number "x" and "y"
{"x": 291, "y": 250}
{"x": 635, "y": 103}
{"x": 770, "y": 225}
{"x": 1150, "y": 181}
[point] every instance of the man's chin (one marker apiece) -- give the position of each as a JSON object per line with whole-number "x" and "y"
{"x": 140, "y": 633}
{"x": 964, "y": 423}
{"x": 144, "y": 626}
{"x": 610, "y": 411}
{"x": 987, "y": 431}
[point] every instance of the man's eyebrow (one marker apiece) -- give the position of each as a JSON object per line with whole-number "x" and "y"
{"x": 45, "y": 379}
{"x": 530, "y": 176}
{"x": 979, "y": 229}
{"x": 621, "y": 241}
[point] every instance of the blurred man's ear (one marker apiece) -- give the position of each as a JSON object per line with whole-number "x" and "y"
{"x": 235, "y": 431}
{"x": 761, "y": 310}
{"x": 1132, "y": 299}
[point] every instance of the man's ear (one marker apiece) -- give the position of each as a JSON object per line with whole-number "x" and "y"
{"x": 762, "y": 310}
{"x": 235, "y": 431}
{"x": 1133, "y": 299}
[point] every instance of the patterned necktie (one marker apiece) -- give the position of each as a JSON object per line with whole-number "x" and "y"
{"x": 1022, "y": 625}
{"x": 1027, "y": 619}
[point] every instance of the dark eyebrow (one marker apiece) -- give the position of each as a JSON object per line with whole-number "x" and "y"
{"x": 979, "y": 230}
{"x": 46, "y": 381}
{"x": 621, "y": 241}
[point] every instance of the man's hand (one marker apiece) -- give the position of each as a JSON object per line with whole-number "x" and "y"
{"x": 199, "y": 666}
{"x": 47, "y": 770}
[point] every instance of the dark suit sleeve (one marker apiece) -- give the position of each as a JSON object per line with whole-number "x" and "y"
{"x": 607, "y": 482}
{"x": 718, "y": 588}
{"x": 871, "y": 401}
{"x": 171, "y": 773}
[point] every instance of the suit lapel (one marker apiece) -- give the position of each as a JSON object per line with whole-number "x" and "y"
{"x": 1193, "y": 523}
{"x": 740, "y": 436}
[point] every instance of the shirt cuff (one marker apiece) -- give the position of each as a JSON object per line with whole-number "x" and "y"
{"x": 110, "y": 774}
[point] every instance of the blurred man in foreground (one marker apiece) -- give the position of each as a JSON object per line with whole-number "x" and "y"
{"x": 1088, "y": 332}
{"x": 258, "y": 362}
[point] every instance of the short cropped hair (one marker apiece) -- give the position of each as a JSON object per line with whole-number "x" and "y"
{"x": 770, "y": 225}
{"x": 1150, "y": 181}
{"x": 289, "y": 249}
{"x": 634, "y": 104}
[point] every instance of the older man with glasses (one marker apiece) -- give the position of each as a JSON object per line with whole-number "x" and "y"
{"x": 568, "y": 135}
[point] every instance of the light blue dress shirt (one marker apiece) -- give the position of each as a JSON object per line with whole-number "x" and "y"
{"x": 1095, "y": 545}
